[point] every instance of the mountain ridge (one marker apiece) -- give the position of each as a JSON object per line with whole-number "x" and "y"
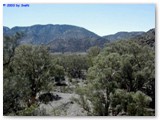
{"x": 123, "y": 35}
{"x": 71, "y": 38}
{"x": 58, "y": 34}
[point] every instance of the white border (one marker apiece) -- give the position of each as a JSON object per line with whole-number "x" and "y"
{"x": 157, "y": 2}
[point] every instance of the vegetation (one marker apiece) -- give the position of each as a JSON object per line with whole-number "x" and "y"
{"x": 116, "y": 80}
{"x": 31, "y": 71}
{"x": 124, "y": 66}
{"x": 74, "y": 65}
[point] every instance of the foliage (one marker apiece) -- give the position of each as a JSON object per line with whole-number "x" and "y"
{"x": 30, "y": 72}
{"x": 34, "y": 66}
{"x": 130, "y": 103}
{"x": 74, "y": 65}
{"x": 28, "y": 111}
{"x": 92, "y": 52}
{"x": 9, "y": 46}
{"x": 59, "y": 74}
{"x": 124, "y": 65}
{"x": 11, "y": 98}
{"x": 120, "y": 78}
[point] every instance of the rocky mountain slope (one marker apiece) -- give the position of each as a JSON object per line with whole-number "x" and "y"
{"x": 58, "y": 37}
{"x": 69, "y": 38}
{"x": 122, "y": 36}
{"x": 147, "y": 38}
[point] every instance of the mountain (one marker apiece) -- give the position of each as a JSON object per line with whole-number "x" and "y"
{"x": 59, "y": 38}
{"x": 69, "y": 38}
{"x": 147, "y": 38}
{"x": 122, "y": 36}
{"x": 144, "y": 38}
{"x": 5, "y": 29}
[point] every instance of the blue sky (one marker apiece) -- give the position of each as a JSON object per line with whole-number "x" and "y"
{"x": 101, "y": 19}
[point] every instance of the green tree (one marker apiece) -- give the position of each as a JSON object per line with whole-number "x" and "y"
{"x": 124, "y": 65}
{"x": 59, "y": 74}
{"x": 139, "y": 105}
{"x": 33, "y": 69}
{"x": 130, "y": 103}
{"x": 102, "y": 81}
{"x": 92, "y": 52}
{"x": 9, "y": 46}
{"x": 10, "y": 95}
{"x": 75, "y": 65}
{"x": 31, "y": 72}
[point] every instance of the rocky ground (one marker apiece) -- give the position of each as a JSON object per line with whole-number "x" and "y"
{"x": 65, "y": 106}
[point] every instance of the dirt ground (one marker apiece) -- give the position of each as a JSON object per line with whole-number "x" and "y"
{"x": 66, "y": 106}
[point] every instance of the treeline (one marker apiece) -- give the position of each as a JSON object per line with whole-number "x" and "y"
{"x": 119, "y": 79}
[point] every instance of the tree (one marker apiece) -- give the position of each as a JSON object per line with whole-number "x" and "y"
{"x": 10, "y": 95}
{"x": 130, "y": 103}
{"x": 121, "y": 65}
{"x": 137, "y": 69}
{"x": 33, "y": 69}
{"x": 74, "y": 65}
{"x": 32, "y": 72}
{"x": 59, "y": 74}
{"x": 140, "y": 105}
{"x": 101, "y": 82}
{"x": 9, "y": 46}
{"x": 92, "y": 52}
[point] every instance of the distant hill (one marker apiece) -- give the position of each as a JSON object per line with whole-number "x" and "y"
{"x": 122, "y": 36}
{"x": 147, "y": 38}
{"x": 69, "y": 38}
{"x": 58, "y": 37}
